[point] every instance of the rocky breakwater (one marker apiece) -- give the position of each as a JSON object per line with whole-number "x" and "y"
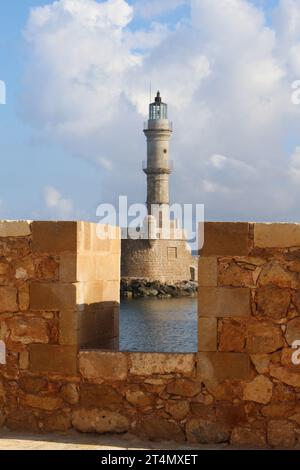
{"x": 136, "y": 288}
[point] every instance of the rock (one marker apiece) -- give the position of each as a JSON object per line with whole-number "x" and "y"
{"x": 22, "y": 420}
{"x": 277, "y": 410}
{"x": 263, "y": 337}
{"x": 57, "y": 422}
{"x": 184, "y": 387}
{"x": 233, "y": 275}
{"x": 282, "y": 393}
{"x": 295, "y": 417}
{"x": 286, "y": 375}
{"x": 28, "y": 330}
{"x": 157, "y": 363}
{"x": 245, "y": 437}
{"x": 232, "y": 336}
{"x": 33, "y": 384}
{"x": 41, "y": 402}
{"x": 139, "y": 398}
{"x": 99, "y": 421}
{"x": 178, "y": 409}
{"x": 261, "y": 362}
{"x": 231, "y": 414}
{"x": 274, "y": 274}
{"x": 272, "y": 301}
{"x": 2, "y": 393}
{"x": 47, "y": 268}
{"x": 281, "y": 434}
{"x": 69, "y": 393}
{"x": 102, "y": 396}
{"x": 259, "y": 390}
{"x": 8, "y": 299}
{"x": 158, "y": 429}
{"x": 293, "y": 330}
{"x": 97, "y": 366}
{"x": 206, "y": 432}
{"x": 23, "y": 297}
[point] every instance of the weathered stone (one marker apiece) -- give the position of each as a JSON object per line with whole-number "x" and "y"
{"x": 178, "y": 409}
{"x": 8, "y": 299}
{"x": 99, "y": 420}
{"x": 258, "y": 390}
{"x": 23, "y": 297}
{"x": 51, "y": 296}
{"x": 42, "y": 402}
{"x": 293, "y": 330}
{"x": 224, "y": 302}
{"x": 261, "y": 362}
{"x": 24, "y": 360}
{"x": 274, "y": 274}
{"x": 54, "y": 237}
{"x": 184, "y": 387}
{"x": 14, "y": 228}
{"x": 281, "y": 434}
{"x": 53, "y": 359}
{"x": 296, "y": 418}
{"x": 218, "y": 367}
{"x": 246, "y": 437}
{"x": 276, "y": 235}
{"x": 272, "y": 301}
{"x": 206, "y": 432}
{"x": 207, "y": 271}
{"x": 155, "y": 428}
{"x": 24, "y": 269}
{"x": 225, "y": 239}
{"x": 57, "y": 422}
{"x": 32, "y": 384}
{"x": 161, "y": 363}
{"x": 232, "y": 336}
{"x": 277, "y": 410}
{"x": 231, "y": 414}
{"x": 139, "y": 398}
{"x": 28, "y": 330}
{"x": 22, "y": 420}
{"x": 101, "y": 396}
{"x": 284, "y": 374}
{"x": 263, "y": 337}
{"x": 2, "y": 393}
{"x": 98, "y": 366}
{"x": 207, "y": 334}
{"x": 282, "y": 393}
{"x": 47, "y": 268}
{"x": 2, "y": 418}
{"x": 234, "y": 275}
{"x": 69, "y": 393}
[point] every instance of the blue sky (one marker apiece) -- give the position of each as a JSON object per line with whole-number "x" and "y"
{"x": 34, "y": 159}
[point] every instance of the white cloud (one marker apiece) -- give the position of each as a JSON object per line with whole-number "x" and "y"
{"x": 152, "y": 8}
{"x": 226, "y": 75}
{"x": 54, "y": 201}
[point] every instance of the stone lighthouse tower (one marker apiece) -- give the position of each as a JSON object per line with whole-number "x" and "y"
{"x": 158, "y": 133}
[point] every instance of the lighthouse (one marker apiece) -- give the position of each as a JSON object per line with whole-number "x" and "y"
{"x": 158, "y": 132}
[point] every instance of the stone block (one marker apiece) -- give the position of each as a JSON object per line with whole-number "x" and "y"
{"x": 207, "y": 334}
{"x": 225, "y": 239}
{"x": 99, "y": 421}
{"x": 8, "y": 299}
{"x": 54, "y": 237}
{"x": 53, "y": 359}
{"x": 161, "y": 363}
{"x": 77, "y": 267}
{"x": 276, "y": 235}
{"x": 108, "y": 267}
{"x": 68, "y": 327}
{"x": 15, "y": 228}
{"x": 224, "y": 302}
{"x": 208, "y": 271}
{"x": 52, "y": 296}
{"x": 215, "y": 367}
{"x": 96, "y": 366}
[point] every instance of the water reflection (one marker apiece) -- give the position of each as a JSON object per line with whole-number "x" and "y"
{"x": 161, "y": 325}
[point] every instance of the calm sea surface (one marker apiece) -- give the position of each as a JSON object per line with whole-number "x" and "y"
{"x": 160, "y": 325}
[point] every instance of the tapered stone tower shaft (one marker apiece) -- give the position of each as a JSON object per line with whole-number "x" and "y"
{"x": 158, "y": 133}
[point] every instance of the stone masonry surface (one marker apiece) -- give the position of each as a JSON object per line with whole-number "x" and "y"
{"x": 240, "y": 388}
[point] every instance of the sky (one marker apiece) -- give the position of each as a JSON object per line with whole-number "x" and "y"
{"x": 77, "y": 75}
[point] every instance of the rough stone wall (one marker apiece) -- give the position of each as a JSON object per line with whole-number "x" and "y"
{"x": 241, "y": 387}
{"x": 249, "y": 316}
{"x": 157, "y": 261}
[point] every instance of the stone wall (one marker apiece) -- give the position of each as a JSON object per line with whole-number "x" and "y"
{"x": 161, "y": 260}
{"x": 241, "y": 387}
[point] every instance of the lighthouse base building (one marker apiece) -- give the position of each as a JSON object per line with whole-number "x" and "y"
{"x": 161, "y": 252}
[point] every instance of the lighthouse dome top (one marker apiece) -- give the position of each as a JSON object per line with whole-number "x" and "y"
{"x": 158, "y": 109}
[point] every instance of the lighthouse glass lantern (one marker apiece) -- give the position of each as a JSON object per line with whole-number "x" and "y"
{"x": 158, "y": 109}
